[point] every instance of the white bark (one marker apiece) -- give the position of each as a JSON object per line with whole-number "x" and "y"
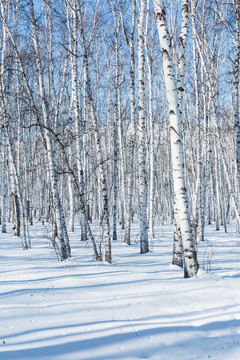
{"x": 106, "y": 225}
{"x": 130, "y": 44}
{"x": 122, "y": 161}
{"x": 76, "y": 110}
{"x": 198, "y": 187}
{"x": 3, "y": 110}
{"x": 4, "y": 181}
{"x": 180, "y": 191}
{"x": 115, "y": 124}
{"x": 142, "y": 131}
{"x": 236, "y": 85}
{"x": 60, "y": 220}
{"x": 151, "y": 128}
{"x": 177, "y": 258}
{"x": 71, "y": 192}
{"x": 18, "y": 207}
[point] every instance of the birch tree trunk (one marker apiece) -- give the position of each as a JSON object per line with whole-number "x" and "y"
{"x": 130, "y": 44}
{"x": 177, "y": 258}
{"x": 76, "y": 110}
{"x": 180, "y": 191}
{"x": 4, "y": 182}
{"x": 106, "y": 224}
{"x": 151, "y": 128}
{"x": 236, "y": 85}
{"x": 62, "y": 235}
{"x": 198, "y": 187}
{"x": 122, "y": 161}
{"x": 71, "y": 192}
{"x": 142, "y": 131}
{"x": 3, "y": 110}
{"x": 115, "y": 125}
{"x": 17, "y": 201}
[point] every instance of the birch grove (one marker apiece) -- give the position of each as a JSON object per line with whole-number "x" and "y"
{"x": 118, "y": 112}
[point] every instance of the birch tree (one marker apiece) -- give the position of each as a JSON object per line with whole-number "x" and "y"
{"x": 116, "y": 149}
{"x": 76, "y": 111}
{"x": 236, "y": 5}
{"x": 149, "y": 61}
{"x": 4, "y": 10}
{"x": 172, "y": 90}
{"x": 4, "y": 181}
{"x": 106, "y": 224}
{"x": 130, "y": 44}
{"x": 142, "y": 131}
{"x": 60, "y": 220}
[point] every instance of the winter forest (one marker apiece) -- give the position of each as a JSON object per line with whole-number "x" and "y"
{"x": 120, "y": 116}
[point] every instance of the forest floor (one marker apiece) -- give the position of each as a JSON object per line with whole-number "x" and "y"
{"x": 140, "y": 307}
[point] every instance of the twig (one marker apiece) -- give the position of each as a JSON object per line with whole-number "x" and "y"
{"x": 132, "y": 326}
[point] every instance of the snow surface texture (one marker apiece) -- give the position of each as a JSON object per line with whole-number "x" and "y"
{"x": 140, "y": 307}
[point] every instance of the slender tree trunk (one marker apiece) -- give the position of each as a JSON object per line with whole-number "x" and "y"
{"x": 115, "y": 125}
{"x": 151, "y": 128}
{"x": 76, "y": 110}
{"x": 106, "y": 225}
{"x": 71, "y": 192}
{"x": 236, "y": 90}
{"x": 198, "y": 187}
{"x": 3, "y": 110}
{"x": 17, "y": 201}
{"x": 4, "y": 182}
{"x": 142, "y": 131}
{"x": 132, "y": 141}
{"x": 60, "y": 220}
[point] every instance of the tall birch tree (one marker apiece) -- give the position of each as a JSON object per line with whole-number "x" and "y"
{"x": 172, "y": 90}
{"x": 130, "y": 44}
{"x": 144, "y": 247}
{"x": 60, "y": 220}
{"x": 93, "y": 114}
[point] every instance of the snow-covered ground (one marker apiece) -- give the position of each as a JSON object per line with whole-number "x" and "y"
{"x": 140, "y": 307}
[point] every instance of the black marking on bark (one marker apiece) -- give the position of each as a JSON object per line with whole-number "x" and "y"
{"x": 185, "y": 8}
{"x": 164, "y": 52}
{"x": 172, "y": 128}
